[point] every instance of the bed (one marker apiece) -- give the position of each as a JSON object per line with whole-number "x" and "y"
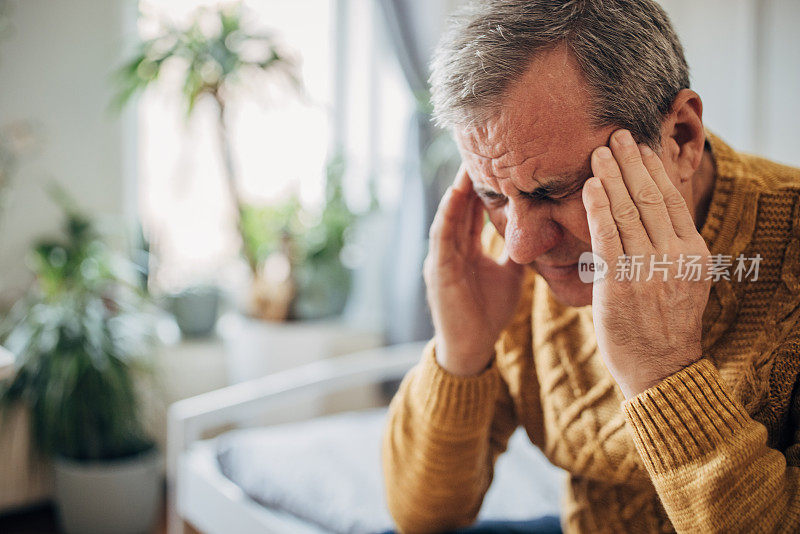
{"x": 318, "y": 475}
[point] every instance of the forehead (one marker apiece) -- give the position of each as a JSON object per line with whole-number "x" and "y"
{"x": 543, "y": 128}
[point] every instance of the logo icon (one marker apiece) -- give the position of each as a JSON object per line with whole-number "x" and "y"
{"x": 591, "y": 267}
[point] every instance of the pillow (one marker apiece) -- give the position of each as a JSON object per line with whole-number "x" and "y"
{"x": 328, "y": 472}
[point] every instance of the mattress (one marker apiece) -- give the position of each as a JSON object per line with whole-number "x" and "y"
{"x": 327, "y": 471}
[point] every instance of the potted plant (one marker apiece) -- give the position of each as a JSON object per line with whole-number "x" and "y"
{"x": 309, "y": 244}
{"x": 81, "y": 337}
{"x": 215, "y": 65}
{"x": 304, "y": 284}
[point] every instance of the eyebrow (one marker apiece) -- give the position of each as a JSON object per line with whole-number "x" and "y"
{"x": 557, "y": 186}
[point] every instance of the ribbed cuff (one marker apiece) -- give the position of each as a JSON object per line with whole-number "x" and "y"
{"x": 684, "y": 417}
{"x": 455, "y": 403}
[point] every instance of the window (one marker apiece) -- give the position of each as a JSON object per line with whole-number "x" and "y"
{"x": 357, "y": 102}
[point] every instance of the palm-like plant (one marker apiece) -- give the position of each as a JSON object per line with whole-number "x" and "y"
{"x": 311, "y": 242}
{"x": 215, "y": 63}
{"x": 80, "y": 336}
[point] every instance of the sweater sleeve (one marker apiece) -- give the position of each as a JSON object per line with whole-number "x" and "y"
{"x": 709, "y": 460}
{"x": 442, "y": 438}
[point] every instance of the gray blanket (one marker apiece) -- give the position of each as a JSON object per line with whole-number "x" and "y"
{"x": 328, "y": 471}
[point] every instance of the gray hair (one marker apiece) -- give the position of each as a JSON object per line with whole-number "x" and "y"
{"x": 627, "y": 50}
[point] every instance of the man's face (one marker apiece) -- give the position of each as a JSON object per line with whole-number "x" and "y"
{"x": 528, "y": 166}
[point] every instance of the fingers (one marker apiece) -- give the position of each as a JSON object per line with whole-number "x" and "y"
{"x": 469, "y": 224}
{"x": 438, "y": 229}
{"x": 462, "y": 182}
{"x": 645, "y": 194}
{"x": 477, "y": 225}
{"x": 603, "y": 228}
{"x": 465, "y": 221}
{"x": 682, "y": 221}
{"x": 455, "y": 230}
{"x": 624, "y": 212}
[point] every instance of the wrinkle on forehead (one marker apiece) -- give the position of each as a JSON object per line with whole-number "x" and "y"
{"x": 543, "y": 128}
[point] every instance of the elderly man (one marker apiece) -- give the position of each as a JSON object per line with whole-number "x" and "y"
{"x": 665, "y": 384}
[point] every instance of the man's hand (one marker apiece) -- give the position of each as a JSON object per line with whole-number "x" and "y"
{"x": 471, "y": 296}
{"x": 646, "y": 330}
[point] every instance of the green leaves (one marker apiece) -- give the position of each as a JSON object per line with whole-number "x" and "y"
{"x": 213, "y": 61}
{"x": 81, "y": 336}
{"x": 309, "y": 237}
{"x": 265, "y": 228}
{"x": 312, "y": 241}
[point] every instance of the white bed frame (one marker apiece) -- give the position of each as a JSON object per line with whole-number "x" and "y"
{"x": 197, "y": 490}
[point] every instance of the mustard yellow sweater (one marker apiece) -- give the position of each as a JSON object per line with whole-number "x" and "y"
{"x": 713, "y": 448}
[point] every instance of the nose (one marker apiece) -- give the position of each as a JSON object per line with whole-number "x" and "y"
{"x": 530, "y": 231}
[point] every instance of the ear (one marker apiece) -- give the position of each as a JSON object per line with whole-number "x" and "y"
{"x": 682, "y": 134}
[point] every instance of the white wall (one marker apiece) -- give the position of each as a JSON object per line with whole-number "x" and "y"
{"x": 54, "y": 71}
{"x": 744, "y": 60}
{"x": 779, "y": 134}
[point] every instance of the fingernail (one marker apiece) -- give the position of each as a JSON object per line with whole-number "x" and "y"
{"x": 603, "y": 152}
{"x": 624, "y": 138}
{"x": 645, "y": 150}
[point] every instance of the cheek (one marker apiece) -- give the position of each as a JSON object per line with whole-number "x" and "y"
{"x": 571, "y": 216}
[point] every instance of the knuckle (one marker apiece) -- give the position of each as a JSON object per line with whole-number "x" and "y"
{"x": 649, "y": 196}
{"x": 650, "y": 157}
{"x": 631, "y": 157}
{"x": 607, "y": 232}
{"x": 596, "y": 205}
{"x": 612, "y": 176}
{"x": 675, "y": 200}
{"x": 626, "y": 213}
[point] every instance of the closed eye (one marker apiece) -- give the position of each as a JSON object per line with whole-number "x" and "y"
{"x": 491, "y": 197}
{"x": 540, "y": 194}
{"x": 537, "y": 196}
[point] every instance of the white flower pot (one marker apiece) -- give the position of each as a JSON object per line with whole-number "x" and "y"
{"x": 119, "y": 496}
{"x": 256, "y": 348}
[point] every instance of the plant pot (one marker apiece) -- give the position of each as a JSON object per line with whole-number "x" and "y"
{"x": 195, "y": 310}
{"x": 255, "y": 348}
{"x": 119, "y": 496}
{"x": 322, "y": 290}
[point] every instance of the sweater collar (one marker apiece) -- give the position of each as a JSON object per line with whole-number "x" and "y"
{"x": 727, "y": 200}
{"x": 727, "y": 230}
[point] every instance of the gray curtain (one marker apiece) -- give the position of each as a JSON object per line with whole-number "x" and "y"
{"x": 413, "y": 27}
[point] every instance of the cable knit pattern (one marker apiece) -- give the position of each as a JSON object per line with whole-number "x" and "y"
{"x": 713, "y": 448}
